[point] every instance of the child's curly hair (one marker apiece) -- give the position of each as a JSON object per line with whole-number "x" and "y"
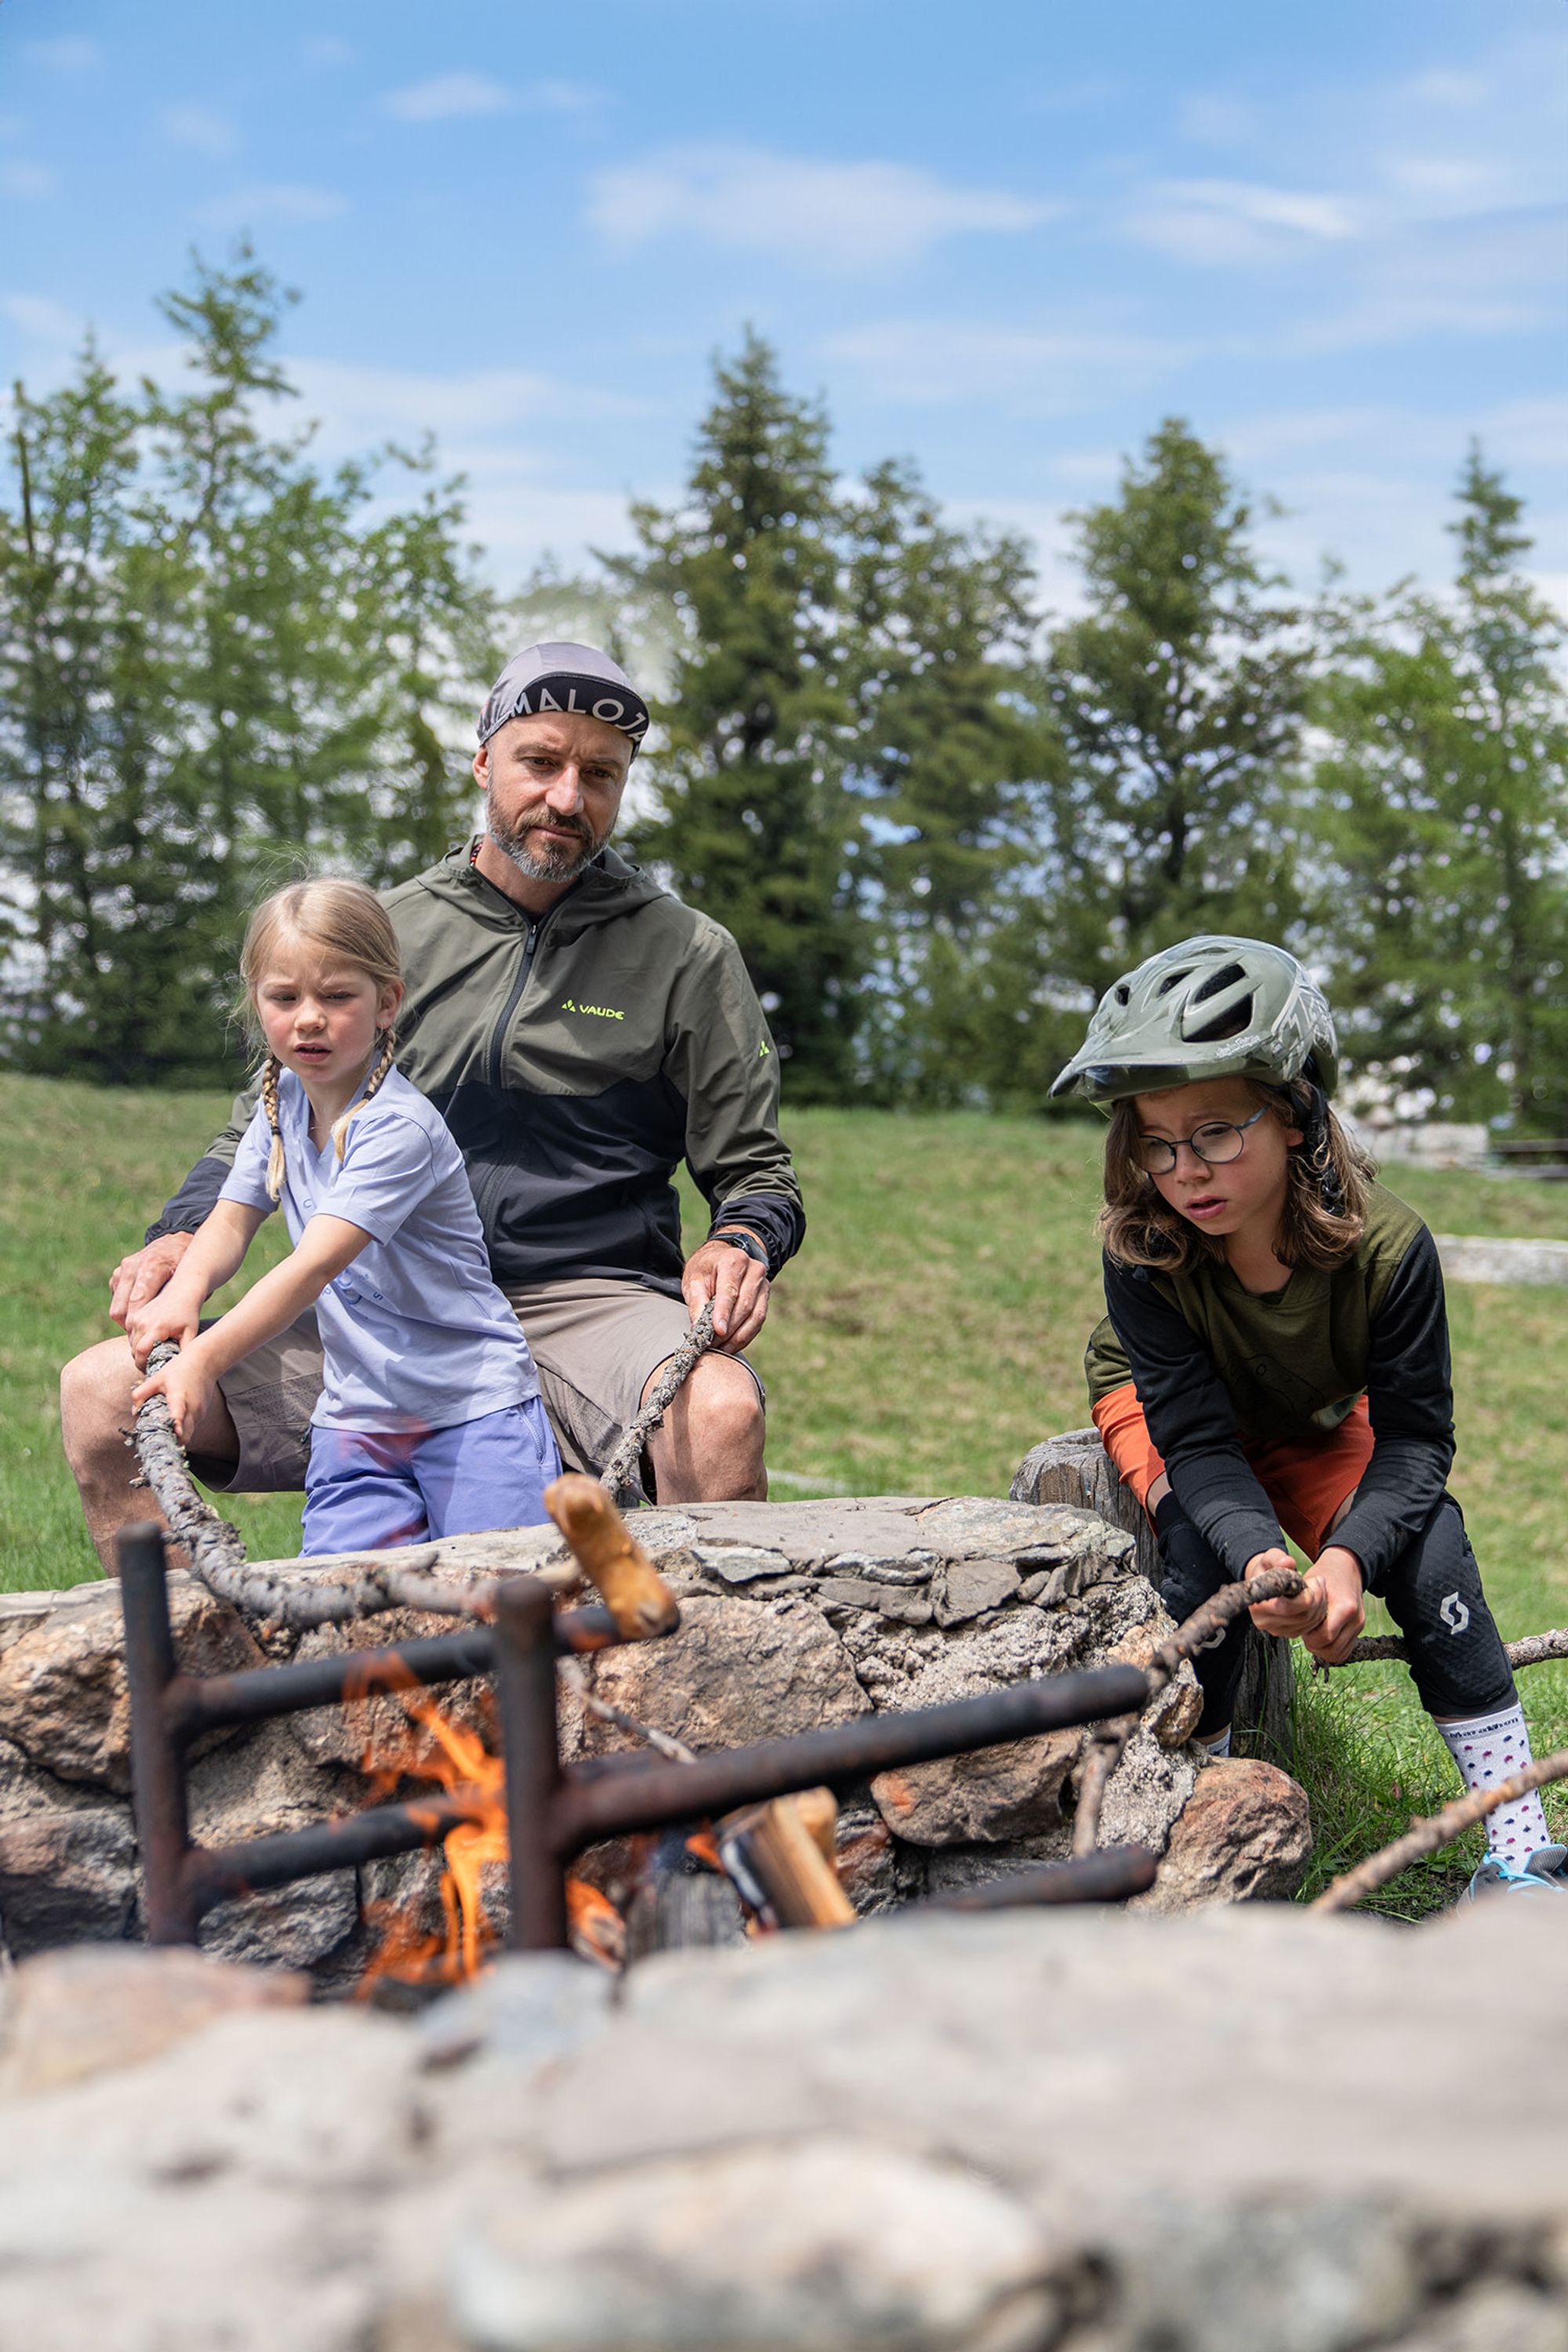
{"x": 1325, "y": 1195}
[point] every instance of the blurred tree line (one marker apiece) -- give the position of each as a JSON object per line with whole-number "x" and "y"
{"x": 938, "y": 822}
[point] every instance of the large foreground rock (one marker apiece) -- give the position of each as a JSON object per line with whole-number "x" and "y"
{"x": 1251, "y": 2131}
{"x": 793, "y": 1615}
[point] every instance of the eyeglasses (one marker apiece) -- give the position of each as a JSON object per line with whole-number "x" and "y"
{"x": 1215, "y": 1142}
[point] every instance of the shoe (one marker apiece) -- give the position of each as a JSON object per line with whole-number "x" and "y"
{"x": 1543, "y": 1873}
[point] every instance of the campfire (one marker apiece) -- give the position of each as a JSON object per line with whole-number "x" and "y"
{"x": 519, "y": 1807}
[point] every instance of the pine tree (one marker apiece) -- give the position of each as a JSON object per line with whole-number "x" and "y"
{"x": 751, "y": 818}
{"x": 1444, "y": 798}
{"x": 938, "y": 631}
{"x": 213, "y": 672}
{"x": 1180, "y": 697}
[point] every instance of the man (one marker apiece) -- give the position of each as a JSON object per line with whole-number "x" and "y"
{"x": 582, "y": 1031}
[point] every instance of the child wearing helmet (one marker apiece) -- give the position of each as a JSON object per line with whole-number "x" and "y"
{"x": 1274, "y": 1357}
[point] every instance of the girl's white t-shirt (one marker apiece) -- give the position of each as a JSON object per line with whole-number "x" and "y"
{"x": 415, "y": 1334}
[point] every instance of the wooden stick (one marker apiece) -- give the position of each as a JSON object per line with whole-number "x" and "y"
{"x": 1425, "y": 1837}
{"x": 216, "y": 1548}
{"x": 1535, "y": 1650}
{"x": 620, "y": 1472}
{"x": 1104, "y": 1743}
{"x": 636, "y": 1596}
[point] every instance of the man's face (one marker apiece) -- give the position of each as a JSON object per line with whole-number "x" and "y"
{"x": 553, "y": 787}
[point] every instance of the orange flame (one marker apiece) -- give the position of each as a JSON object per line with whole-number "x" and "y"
{"x": 457, "y": 1757}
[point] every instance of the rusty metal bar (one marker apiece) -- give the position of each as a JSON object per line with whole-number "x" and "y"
{"x": 157, "y": 1762}
{"x": 526, "y": 1698}
{"x": 611, "y": 1805}
{"x": 1109, "y": 1875}
{"x": 214, "y": 1873}
{"x": 203, "y": 1703}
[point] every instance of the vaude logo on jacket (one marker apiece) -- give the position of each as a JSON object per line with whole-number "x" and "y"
{"x": 599, "y": 1011}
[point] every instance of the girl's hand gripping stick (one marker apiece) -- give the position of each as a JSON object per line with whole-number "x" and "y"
{"x": 630, "y": 1586}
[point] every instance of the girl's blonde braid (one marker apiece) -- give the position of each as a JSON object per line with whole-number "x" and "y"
{"x": 271, "y": 1071}
{"x": 341, "y": 1125}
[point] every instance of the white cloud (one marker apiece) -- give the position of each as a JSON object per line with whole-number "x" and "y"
{"x": 199, "y": 127}
{"x": 360, "y": 406}
{"x": 1232, "y": 221}
{"x": 452, "y": 97}
{"x": 1209, "y": 119}
{"x": 837, "y": 216}
{"x": 277, "y": 200}
{"x": 31, "y": 181}
{"x": 933, "y": 362}
{"x": 327, "y": 49}
{"x": 41, "y": 319}
{"x": 447, "y": 98}
{"x": 74, "y": 54}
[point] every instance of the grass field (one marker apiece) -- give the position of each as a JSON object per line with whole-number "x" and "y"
{"x": 931, "y": 1332}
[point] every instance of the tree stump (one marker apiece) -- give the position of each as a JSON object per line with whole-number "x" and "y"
{"x": 1075, "y": 1468}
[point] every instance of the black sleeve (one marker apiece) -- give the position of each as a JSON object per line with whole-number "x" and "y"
{"x": 777, "y": 1221}
{"x": 196, "y": 1197}
{"x": 1410, "y": 1403}
{"x": 1191, "y": 1420}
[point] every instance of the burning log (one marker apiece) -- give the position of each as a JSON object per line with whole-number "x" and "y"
{"x": 780, "y": 1855}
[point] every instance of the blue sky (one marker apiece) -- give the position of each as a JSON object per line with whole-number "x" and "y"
{"x": 1005, "y": 239}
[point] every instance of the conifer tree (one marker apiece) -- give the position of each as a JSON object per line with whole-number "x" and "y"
{"x": 1444, "y": 801}
{"x": 752, "y": 819}
{"x": 1180, "y": 696}
{"x": 938, "y": 633}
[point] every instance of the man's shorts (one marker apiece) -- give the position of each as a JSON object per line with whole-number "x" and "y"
{"x": 1308, "y": 1480}
{"x": 594, "y": 1342}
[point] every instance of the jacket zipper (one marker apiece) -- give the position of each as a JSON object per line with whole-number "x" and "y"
{"x": 498, "y": 1035}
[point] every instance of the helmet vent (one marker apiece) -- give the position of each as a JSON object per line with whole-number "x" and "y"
{"x": 1173, "y": 980}
{"x": 1121, "y": 992}
{"x": 1230, "y": 1019}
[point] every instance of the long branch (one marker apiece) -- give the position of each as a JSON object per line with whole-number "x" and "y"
{"x": 1535, "y": 1650}
{"x": 1438, "y": 1830}
{"x": 1106, "y": 1741}
{"x": 216, "y": 1548}
{"x": 620, "y": 1472}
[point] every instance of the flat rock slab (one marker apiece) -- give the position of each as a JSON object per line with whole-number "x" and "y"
{"x": 1475, "y": 1257}
{"x": 1255, "y": 2130}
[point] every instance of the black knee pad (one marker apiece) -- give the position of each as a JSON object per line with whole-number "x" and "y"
{"x": 1433, "y": 1592}
{"x": 1191, "y": 1573}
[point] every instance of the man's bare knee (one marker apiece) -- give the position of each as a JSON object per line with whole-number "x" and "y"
{"x": 95, "y": 1404}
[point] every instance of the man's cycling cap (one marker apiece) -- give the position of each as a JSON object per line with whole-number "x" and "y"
{"x": 565, "y": 678}
{"x": 1214, "y": 1007}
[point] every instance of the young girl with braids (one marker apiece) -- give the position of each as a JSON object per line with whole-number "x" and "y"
{"x": 430, "y": 1421}
{"x": 1274, "y": 1359}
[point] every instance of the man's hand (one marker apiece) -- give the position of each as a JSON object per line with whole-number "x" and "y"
{"x": 186, "y": 1389}
{"x": 1292, "y": 1617}
{"x": 171, "y": 1315}
{"x": 1339, "y": 1573}
{"x": 141, "y": 1274}
{"x": 738, "y": 1287}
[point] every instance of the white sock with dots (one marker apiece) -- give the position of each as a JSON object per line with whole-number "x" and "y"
{"x": 1492, "y": 1747}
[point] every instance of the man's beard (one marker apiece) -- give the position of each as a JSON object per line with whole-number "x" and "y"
{"x": 552, "y": 861}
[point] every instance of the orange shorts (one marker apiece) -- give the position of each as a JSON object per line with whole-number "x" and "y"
{"x": 1307, "y": 1479}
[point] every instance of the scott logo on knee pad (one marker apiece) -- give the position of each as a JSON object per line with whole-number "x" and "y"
{"x": 1452, "y": 1612}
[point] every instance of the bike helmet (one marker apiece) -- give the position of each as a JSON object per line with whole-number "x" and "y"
{"x": 1214, "y": 1007}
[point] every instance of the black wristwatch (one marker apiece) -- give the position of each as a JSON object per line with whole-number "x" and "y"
{"x": 747, "y": 1241}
